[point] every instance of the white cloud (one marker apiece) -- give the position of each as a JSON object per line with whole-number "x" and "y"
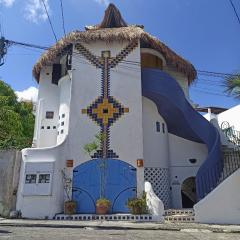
{"x": 35, "y": 12}
{"x": 104, "y": 2}
{"x": 7, "y": 3}
{"x": 29, "y": 94}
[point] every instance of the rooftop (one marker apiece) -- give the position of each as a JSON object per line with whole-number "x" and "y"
{"x": 114, "y": 28}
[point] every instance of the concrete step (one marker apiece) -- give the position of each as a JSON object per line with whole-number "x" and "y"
{"x": 183, "y": 211}
{"x": 179, "y": 215}
{"x": 180, "y": 218}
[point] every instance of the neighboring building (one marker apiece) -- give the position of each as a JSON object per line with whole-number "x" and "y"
{"x": 120, "y": 81}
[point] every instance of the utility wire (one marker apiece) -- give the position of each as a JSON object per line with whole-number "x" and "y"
{"x": 10, "y": 42}
{"x": 235, "y": 11}
{"x": 63, "y": 22}
{"x": 198, "y": 89}
{"x": 43, "y": 2}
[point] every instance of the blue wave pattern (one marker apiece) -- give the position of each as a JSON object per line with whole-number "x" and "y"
{"x": 185, "y": 122}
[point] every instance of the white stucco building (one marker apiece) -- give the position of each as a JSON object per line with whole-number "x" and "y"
{"x": 117, "y": 80}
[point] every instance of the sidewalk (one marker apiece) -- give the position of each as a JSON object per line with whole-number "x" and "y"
{"x": 121, "y": 225}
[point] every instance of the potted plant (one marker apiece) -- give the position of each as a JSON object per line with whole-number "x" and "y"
{"x": 102, "y": 206}
{"x": 138, "y": 205}
{"x": 69, "y": 205}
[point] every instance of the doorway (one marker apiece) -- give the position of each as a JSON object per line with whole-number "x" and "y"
{"x": 188, "y": 192}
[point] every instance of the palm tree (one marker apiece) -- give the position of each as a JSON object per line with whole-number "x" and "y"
{"x": 232, "y": 85}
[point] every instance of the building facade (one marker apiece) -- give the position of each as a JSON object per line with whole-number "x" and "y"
{"x": 120, "y": 83}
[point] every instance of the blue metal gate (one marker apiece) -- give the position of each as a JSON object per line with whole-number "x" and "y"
{"x": 119, "y": 184}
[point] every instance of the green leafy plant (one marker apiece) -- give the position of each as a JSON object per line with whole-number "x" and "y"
{"x": 138, "y": 205}
{"x": 93, "y": 146}
{"x": 16, "y": 120}
{"x": 232, "y": 85}
{"x": 103, "y": 202}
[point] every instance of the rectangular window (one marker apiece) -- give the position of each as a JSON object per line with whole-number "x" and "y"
{"x": 44, "y": 178}
{"x": 42, "y": 127}
{"x": 63, "y": 115}
{"x": 163, "y": 128}
{"x": 49, "y": 115}
{"x": 56, "y": 73}
{"x": 54, "y": 127}
{"x": 30, "y": 178}
{"x": 62, "y": 131}
{"x": 48, "y": 127}
{"x": 158, "y": 126}
{"x": 62, "y": 123}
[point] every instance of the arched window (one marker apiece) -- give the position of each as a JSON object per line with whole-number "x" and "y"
{"x": 151, "y": 61}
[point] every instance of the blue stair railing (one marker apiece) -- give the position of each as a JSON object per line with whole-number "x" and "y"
{"x": 183, "y": 121}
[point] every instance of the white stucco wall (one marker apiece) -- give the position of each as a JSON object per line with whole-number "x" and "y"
{"x": 155, "y": 144}
{"x": 48, "y": 100}
{"x": 232, "y": 116}
{"x": 64, "y": 105}
{"x": 38, "y": 200}
{"x": 222, "y": 205}
{"x": 84, "y": 88}
{"x": 125, "y": 86}
{"x": 180, "y": 151}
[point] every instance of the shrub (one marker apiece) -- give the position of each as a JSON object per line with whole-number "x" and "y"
{"x": 138, "y": 205}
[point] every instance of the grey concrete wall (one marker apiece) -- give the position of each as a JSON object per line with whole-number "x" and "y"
{"x": 10, "y": 163}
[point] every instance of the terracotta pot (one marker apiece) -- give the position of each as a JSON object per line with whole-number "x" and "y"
{"x": 101, "y": 209}
{"x": 70, "y": 207}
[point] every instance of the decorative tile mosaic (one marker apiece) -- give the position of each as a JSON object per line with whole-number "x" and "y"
{"x": 105, "y": 110}
{"x": 159, "y": 178}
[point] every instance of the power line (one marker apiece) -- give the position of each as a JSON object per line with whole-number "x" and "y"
{"x": 235, "y": 11}
{"x": 63, "y": 23}
{"x": 211, "y": 93}
{"x": 11, "y": 42}
{"x": 82, "y": 60}
{"x": 43, "y": 2}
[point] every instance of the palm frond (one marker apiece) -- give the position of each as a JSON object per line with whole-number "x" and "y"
{"x": 232, "y": 85}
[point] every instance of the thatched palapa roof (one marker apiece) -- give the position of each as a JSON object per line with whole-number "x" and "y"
{"x": 114, "y": 28}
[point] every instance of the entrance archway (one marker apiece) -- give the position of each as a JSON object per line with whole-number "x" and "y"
{"x": 188, "y": 192}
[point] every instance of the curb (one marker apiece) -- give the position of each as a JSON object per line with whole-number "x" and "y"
{"x": 98, "y": 226}
{"x": 104, "y": 227}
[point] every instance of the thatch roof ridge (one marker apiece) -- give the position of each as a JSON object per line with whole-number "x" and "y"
{"x": 112, "y": 18}
{"x": 129, "y": 33}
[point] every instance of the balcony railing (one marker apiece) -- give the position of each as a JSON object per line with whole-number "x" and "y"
{"x": 231, "y": 158}
{"x": 232, "y": 135}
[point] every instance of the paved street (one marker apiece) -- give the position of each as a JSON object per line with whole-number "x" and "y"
{"x": 89, "y": 233}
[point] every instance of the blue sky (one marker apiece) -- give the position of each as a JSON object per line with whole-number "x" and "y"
{"x": 204, "y": 32}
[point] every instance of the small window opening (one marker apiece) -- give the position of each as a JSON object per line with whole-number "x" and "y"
{"x": 44, "y": 178}
{"x": 163, "y": 127}
{"x": 49, "y": 115}
{"x": 30, "y": 178}
{"x": 158, "y": 126}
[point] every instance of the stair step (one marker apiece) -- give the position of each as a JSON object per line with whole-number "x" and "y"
{"x": 185, "y": 211}
{"x": 179, "y": 215}
{"x": 179, "y": 218}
